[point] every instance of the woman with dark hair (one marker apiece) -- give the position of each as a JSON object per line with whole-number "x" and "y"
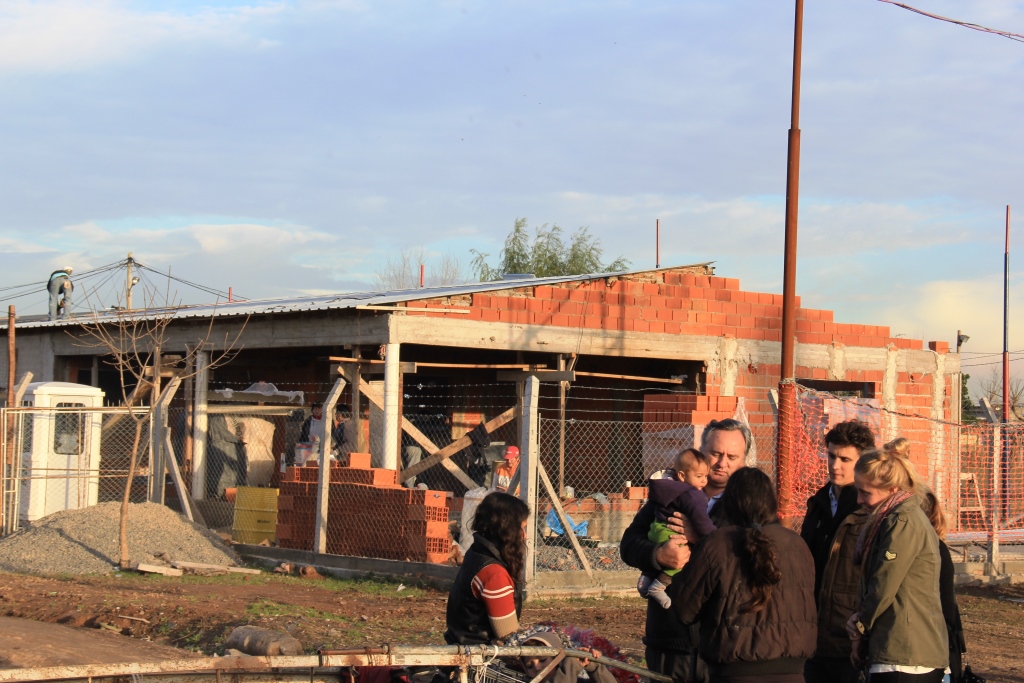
{"x": 750, "y": 584}
{"x": 486, "y": 599}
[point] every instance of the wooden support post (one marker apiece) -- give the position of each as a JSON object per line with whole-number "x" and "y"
{"x": 564, "y": 518}
{"x": 322, "y": 485}
{"x": 529, "y": 459}
{"x": 200, "y": 425}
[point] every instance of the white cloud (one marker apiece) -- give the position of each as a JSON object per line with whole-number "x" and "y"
{"x": 69, "y": 35}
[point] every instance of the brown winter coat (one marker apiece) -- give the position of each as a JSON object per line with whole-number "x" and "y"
{"x": 839, "y": 580}
{"x": 712, "y": 588}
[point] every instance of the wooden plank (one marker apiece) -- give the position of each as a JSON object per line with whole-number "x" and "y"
{"x": 543, "y": 375}
{"x": 484, "y": 366}
{"x": 419, "y": 437}
{"x": 179, "y": 484}
{"x": 637, "y": 378}
{"x": 404, "y": 367}
{"x": 158, "y": 569}
{"x": 214, "y": 567}
{"x": 19, "y": 390}
{"x": 557, "y": 504}
{"x": 457, "y": 445}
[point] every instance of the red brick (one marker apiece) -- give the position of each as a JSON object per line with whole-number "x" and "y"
{"x": 939, "y": 346}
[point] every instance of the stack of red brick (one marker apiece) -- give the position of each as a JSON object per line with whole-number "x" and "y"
{"x": 368, "y": 513}
{"x": 680, "y": 303}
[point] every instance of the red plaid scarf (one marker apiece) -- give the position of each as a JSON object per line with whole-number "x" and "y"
{"x": 867, "y": 537}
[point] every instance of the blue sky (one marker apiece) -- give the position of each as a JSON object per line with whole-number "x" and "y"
{"x": 290, "y": 147}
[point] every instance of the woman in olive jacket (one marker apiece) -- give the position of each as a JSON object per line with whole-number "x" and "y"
{"x": 750, "y": 585}
{"x": 898, "y": 630}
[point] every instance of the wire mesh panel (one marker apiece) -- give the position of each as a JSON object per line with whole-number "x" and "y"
{"x": 67, "y": 458}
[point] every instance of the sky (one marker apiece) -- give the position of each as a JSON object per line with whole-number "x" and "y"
{"x": 287, "y": 148}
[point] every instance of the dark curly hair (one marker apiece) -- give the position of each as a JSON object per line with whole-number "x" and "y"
{"x": 499, "y": 518}
{"x": 749, "y": 503}
{"x": 851, "y": 433}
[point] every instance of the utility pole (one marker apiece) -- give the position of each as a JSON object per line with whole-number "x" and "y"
{"x": 129, "y": 283}
{"x": 787, "y": 383}
{"x": 1006, "y": 321}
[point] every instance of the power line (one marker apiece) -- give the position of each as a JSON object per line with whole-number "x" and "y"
{"x": 966, "y": 24}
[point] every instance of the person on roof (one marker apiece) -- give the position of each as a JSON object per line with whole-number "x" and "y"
{"x": 60, "y": 283}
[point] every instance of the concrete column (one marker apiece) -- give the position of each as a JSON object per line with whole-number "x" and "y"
{"x": 391, "y": 412}
{"x": 529, "y": 452}
{"x": 938, "y": 436}
{"x": 199, "y": 425}
{"x": 890, "y": 425}
{"x": 728, "y": 367}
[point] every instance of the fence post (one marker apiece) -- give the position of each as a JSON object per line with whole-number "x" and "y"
{"x": 997, "y": 450}
{"x": 529, "y": 447}
{"x": 200, "y": 423}
{"x": 997, "y": 456}
{"x": 324, "y": 475}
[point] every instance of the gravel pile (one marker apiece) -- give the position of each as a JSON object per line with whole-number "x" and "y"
{"x": 561, "y": 559}
{"x": 85, "y": 541}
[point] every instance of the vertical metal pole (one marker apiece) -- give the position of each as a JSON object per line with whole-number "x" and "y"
{"x": 657, "y": 243}
{"x": 11, "y": 359}
{"x": 423, "y": 278}
{"x": 200, "y": 424}
{"x": 997, "y": 451}
{"x": 391, "y": 407}
{"x": 529, "y": 456}
{"x": 231, "y": 294}
{"x": 1005, "y": 453}
{"x": 128, "y": 283}
{"x": 787, "y": 384}
{"x": 1006, "y": 322}
{"x": 357, "y": 405}
{"x": 9, "y": 426}
{"x": 156, "y": 431}
{"x": 561, "y": 428}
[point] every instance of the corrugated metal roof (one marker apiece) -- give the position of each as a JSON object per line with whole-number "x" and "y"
{"x": 324, "y": 302}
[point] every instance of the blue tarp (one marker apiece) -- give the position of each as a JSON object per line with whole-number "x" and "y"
{"x": 555, "y": 524}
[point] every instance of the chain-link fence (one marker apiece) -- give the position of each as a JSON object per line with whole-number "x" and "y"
{"x": 255, "y": 473}
{"x": 67, "y": 458}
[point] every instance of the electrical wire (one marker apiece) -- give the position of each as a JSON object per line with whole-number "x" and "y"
{"x": 204, "y": 288}
{"x": 966, "y": 24}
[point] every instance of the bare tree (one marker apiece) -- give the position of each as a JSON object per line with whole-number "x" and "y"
{"x": 134, "y": 341}
{"x": 992, "y": 389}
{"x": 402, "y": 271}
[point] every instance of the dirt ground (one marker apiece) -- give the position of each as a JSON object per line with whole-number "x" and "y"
{"x": 197, "y": 613}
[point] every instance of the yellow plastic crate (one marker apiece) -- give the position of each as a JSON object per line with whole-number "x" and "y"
{"x": 255, "y": 515}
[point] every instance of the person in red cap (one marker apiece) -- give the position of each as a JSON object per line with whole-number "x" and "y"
{"x": 506, "y": 470}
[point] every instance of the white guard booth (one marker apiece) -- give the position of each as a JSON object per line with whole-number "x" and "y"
{"x": 60, "y": 457}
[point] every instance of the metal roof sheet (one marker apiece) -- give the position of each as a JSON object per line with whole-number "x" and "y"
{"x": 322, "y": 302}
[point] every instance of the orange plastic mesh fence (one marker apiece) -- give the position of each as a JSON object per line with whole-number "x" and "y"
{"x": 975, "y": 469}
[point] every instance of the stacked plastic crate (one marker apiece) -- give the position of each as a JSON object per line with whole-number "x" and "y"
{"x": 368, "y": 513}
